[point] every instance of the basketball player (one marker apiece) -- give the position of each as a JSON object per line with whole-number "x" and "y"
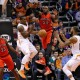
{"x": 45, "y": 21}
{"x": 74, "y": 62}
{"x": 24, "y": 45}
{"x": 6, "y": 58}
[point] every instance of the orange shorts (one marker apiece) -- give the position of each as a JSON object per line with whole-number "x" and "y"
{"x": 47, "y": 39}
{"x": 8, "y": 61}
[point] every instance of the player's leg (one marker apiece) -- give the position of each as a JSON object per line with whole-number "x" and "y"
{"x": 24, "y": 63}
{"x": 48, "y": 46}
{"x": 71, "y": 65}
{"x": 1, "y": 68}
{"x": 43, "y": 40}
{"x": 24, "y": 47}
{"x": 25, "y": 60}
{"x": 67, "y": 71}
{"x": 33, "y": 52}
{"x": 9, "y": 62}
{"x": 49, "y": 35}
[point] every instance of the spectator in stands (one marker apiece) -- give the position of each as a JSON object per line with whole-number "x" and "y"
{"x": 55, "y": 23}
{"x": 52, "y": 60}
{"x": 64, "y": 52}
{"x": 65, "y": 59}
{"x": 51, "y": 63}
{"x": 58, "y": 66}
{"x": 68, "y": 4}
{"x": 60, "y": 27}
{"x": 60, "y": 49}
{"x": 20, "y": 9}
{"x": 41, "y": 66}
{"x": 17, "y": 19}
{"x": 39, "y": 48}
{"x": 74, "y": 7}
{"x": 15, "y": 33}
{"x": 55, "y": 54}
{"x": 36, "y": 8}
{"x": 55, "y": 18}
{"x": 29, "y": 9}
{"x": 32, "y": 8}
{"x": 55, "y": 44}
{"x": 73, "y": 4}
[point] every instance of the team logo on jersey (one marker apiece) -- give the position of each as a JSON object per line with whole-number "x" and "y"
{"x": 6, "y": 36}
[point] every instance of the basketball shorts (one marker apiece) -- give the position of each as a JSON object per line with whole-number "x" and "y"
{"x": 47, "y": 39}
{"x": 73, "y": 63}
{"x": 8, "y": 61}
{"x": 26, "y": 46}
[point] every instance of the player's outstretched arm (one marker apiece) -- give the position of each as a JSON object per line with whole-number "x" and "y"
{"x": 72, "y": 40}
{"x": 69, "y": 41}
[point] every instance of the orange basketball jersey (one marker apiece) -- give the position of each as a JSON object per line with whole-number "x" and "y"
{"x": 3, "y": 48}
{"x": 45, "y": 21}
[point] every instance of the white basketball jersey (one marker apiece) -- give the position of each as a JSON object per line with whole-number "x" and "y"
{"x": 25, "y": 29}
{"x": 76, "y": 47}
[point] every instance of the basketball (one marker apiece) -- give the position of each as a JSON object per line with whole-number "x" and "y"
{"x": 42, "y": 33}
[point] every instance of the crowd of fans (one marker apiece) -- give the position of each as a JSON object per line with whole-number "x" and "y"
{"x": 49, "y": 61}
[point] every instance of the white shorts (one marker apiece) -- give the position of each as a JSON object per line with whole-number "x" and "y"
{"x": 26, "y": 46}
{"x": 73, "y": 63}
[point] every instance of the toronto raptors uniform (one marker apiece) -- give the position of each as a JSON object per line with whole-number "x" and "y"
{"x": 45, "y": 23}
{"x": 5, "y": 56}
